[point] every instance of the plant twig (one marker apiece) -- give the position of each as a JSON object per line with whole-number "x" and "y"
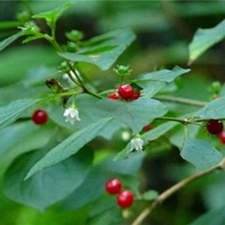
{"x": 167, "y": 193}
{"x": 185, "y": 101}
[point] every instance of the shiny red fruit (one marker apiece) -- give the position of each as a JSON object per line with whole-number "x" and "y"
{"x": 126, "y": 91}
{"x": 40, "y": 117}
{"x": 214, "y": 126}
{"x": 136, "y": 95}
{"x": 113, "y": 186}
{"x": 125, "y": 198}
{"x": 113, "y": 96}
{"x": 222, "y": 137}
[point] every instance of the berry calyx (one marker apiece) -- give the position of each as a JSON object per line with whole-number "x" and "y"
{"x": 113, "y": 186}
{"x": 214, "y": 126}
{"x": 126, "y": 91}
{"x": 113, "y": 96}
{"x": 40, "y": 117}
{"x": 222, "y": 137}
{"x": 125, "y": 199}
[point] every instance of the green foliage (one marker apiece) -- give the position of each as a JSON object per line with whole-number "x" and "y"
{"x": 65, "y": 163}
{"x": 9, "y": 40}
{"x": 204, "y": 39}
{"x": 102, "y": 50}
{"x": 12, "y": 111}
{"x": 200, "y": 153}
{"x": 13, "y": 134}
{"x": 39, "y": 190}
{"x": 213, "y": 110}
{"x": 215, "y": 217}
{"x": 129, "y": 112}
{"x": 52, "y": 16}
{"x": 69, "y": 147}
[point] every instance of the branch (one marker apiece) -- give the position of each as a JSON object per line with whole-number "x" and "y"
{"x": 167, "y": 193}
{"x": 185, "y": 101}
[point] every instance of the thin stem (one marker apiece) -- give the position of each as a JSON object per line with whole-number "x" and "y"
{"x": 183, "y": 121}
{"x": 180, "y": 100}
{"x": 80, "y": 81}
{"x": 167, "y": 193}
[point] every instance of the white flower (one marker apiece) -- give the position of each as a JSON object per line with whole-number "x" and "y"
{"x": 137, "y": 144}
{"x": 72, "y": 115}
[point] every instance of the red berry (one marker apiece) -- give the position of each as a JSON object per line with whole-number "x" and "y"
{"x": 125, "y": 199}
{"x": 40, "y": 116}
{"x": 113, "y": 186}
{"x": 214, "y": 126}
{"x": 147, "y": 127}
{"x": 113, "y": 96}
{"x": 222, "y": 137}
{"x": 126, "y": 91}
{"x": 136, "y": 95}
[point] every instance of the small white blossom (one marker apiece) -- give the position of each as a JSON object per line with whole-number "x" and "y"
{"x": 72, "y": 115}
{"x": 137, "y": 144}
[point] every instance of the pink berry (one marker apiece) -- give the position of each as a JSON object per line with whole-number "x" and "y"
{"x": 214, "y": 126}
{"x": 126, "y": 91}
{"x": 113, "y": 186}
{"x": 125, "y": 198}
{"x": 40, "y": 117}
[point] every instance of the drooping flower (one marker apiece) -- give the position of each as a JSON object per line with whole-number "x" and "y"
{"x": 137, "y": 144}
{"x": 72, "y": 115}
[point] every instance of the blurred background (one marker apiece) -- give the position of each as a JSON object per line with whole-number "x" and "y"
{"x": 164, "y": 30}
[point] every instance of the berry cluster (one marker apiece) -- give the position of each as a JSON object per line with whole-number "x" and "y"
{"x": 125, "y": 92}
{"x": 124, "y": 197}
{"x": 215, "y": 127}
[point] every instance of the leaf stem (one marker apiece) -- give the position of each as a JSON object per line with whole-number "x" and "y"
{"x": 185, "y": 101}
{"x": 167, "y": 193}
{"x": 81, "y": 84}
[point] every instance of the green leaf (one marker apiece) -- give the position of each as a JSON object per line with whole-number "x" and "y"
{"x": 32, "y": 38}
{"x": 84, "y": 102}
{"x": 204, "y": 39}
{"x": 150, "y": 88}
{"x": 214, "y": 217}
{"x": 47, "y": 186}
{"x": 164, "y": 75}
{"x": 85, "y": 194}
{"x": 123, "y": 154}
{"x": 104, "y": 212}
{"x": 13, "y": 134}
{"x": 148, "y": 136}
{"x": 135, "y": 114}
{"x": 9, "y": 113}
{"x": 149, "y": 195}
{"x": 52, "y": 16}
{"x": 103, "y": 50}
{"x": 213, "y": 110}
{"x": 69, "y": 147}
{"x": 9, "y": 40}
{"x": 127, "y": 166}
{"x": 200, "y": 153}
{"x": 159, "y": 131}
